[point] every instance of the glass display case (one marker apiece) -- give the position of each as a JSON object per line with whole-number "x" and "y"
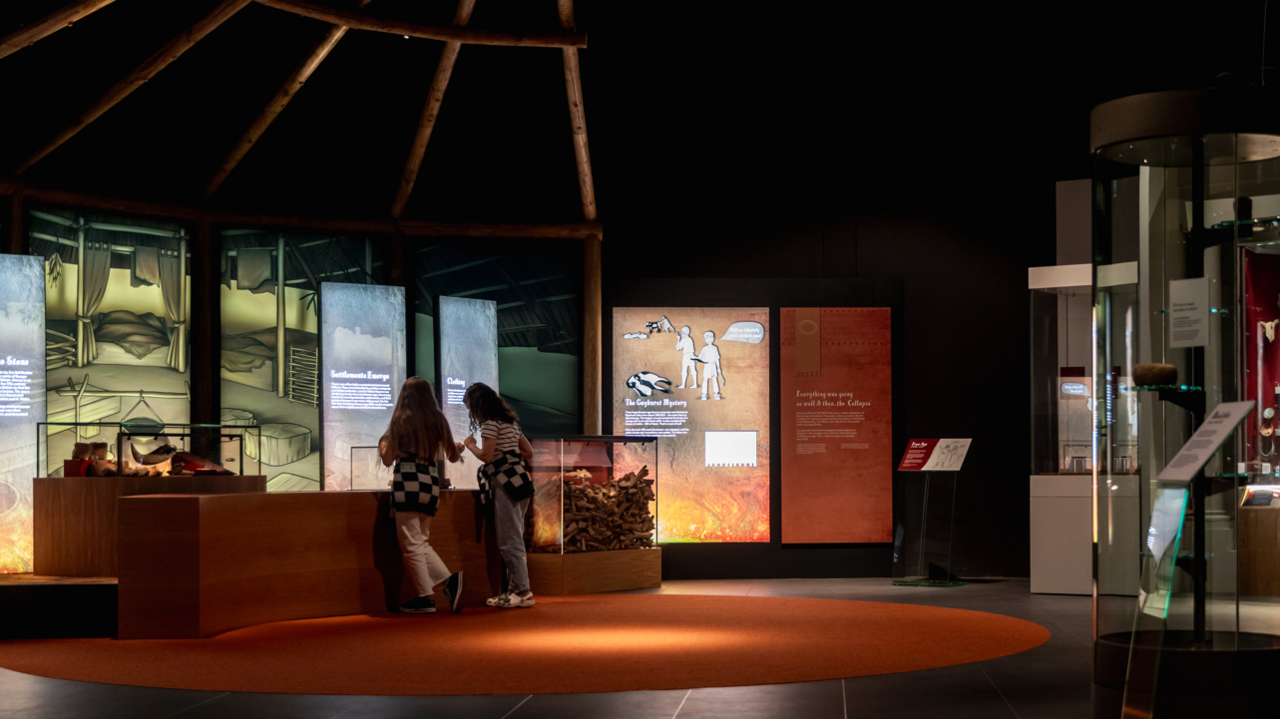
{"x": 1187, "y": 262}
{"x": 1062, "y": 428}
{"x": 593, "y": 494}
{"x": 1061, "y": 371}
{"x": 86, "y": 448}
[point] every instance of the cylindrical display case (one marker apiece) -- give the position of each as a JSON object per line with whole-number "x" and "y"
{"x": 1186, "y": 254}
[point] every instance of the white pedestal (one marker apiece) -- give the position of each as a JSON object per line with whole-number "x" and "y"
{"x": 1061, "y": 534}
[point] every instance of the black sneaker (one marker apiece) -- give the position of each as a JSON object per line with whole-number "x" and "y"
{"x": 453, "y": 590}
{"x": 421, "y": 605}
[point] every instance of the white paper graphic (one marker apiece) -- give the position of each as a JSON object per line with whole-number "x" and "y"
{"x": 730, "y": 449}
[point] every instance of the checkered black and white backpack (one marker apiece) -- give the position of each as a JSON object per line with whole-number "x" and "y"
{"x": 416, "y": 487}
{"x": 506, "y": 470}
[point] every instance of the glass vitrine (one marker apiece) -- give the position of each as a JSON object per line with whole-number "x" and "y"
{"x": 1187, "y": 267}
{"x": 593, "y": 494}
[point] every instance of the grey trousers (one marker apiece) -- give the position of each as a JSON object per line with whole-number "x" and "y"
{"x": 509, "y": 525}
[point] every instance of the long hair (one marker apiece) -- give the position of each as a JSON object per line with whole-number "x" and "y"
{"x": 417, "y": 425}
{"x": 484, "y": 405}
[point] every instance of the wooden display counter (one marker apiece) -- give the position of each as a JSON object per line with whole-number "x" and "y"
{"x": 196, "y": 566}
{"x": 74, "y": 522}
{"x": 1259, "y": 551}
{"x": 593, "y": 572}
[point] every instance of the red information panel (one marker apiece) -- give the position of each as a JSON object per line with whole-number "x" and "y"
{"x": 917, "y": 455}
{"x": 934, "y": 455}
{"x": 837, "y": 461}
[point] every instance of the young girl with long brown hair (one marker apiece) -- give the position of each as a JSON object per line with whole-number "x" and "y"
{"x": 414, "y": 444}
{"x": 506, "y": 453}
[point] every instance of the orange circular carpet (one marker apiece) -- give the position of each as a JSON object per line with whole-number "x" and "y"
{"x": 595, "y": 643}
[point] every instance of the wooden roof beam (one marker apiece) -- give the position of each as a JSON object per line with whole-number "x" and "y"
{"x": 427, "y": 123}
{"x": 465, "y": 36}
{"x": 578, "y": 117}
{"x": 144, "y": 72}
{"x": 291, "y": 86}
{"x": 49, "y": 24}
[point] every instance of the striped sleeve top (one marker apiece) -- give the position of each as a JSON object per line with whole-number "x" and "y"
{"x": 504, "y": 435}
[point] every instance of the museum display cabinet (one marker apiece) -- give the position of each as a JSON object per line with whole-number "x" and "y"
{"x": 1062, "y": 407}
{"x": 1186, "y": 254}
{"x": 146, "y": 446}
{"x": 592, "y": 524}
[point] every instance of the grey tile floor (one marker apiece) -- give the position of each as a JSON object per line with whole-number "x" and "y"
{"x": 1048, "y": 682}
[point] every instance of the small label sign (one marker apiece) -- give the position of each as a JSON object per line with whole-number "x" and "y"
{"x": 934, "y": 455}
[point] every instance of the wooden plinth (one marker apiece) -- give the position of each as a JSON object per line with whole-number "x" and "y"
{"x": 1259, "y": 552}
{"x": 74, "y": 522}
{"x": 195, "y": 566}
{"x": 593, "y": 572}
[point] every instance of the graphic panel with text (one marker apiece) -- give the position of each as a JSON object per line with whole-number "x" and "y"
{"x": 468, "y": 354}
{"x": 837, "y": 425}
{"x": 22, "y": 402}
{"x": 363, "y": 366}
{"x": 699, "y": 379}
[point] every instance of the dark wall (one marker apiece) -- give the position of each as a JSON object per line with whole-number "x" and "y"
{"x": 868, "y": 149}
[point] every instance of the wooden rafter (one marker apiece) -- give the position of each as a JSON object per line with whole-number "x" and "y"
{"x": 578, "y": 117}
{"x": 413, "y": 228}
{"x": 144, "y": 72}
{"x": 291, "y": 86}
{"x": 49, "y": 24}
{"x": 466, "y": 36}
{"x": 427, "y": 123}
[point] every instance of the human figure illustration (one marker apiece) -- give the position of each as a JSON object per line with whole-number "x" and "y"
{"x": 712, "y": 374}
{"x": 688, "y": 361}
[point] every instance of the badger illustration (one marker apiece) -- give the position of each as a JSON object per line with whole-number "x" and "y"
{"x": 646, "y": 383}
{"x": 662, "y": 325}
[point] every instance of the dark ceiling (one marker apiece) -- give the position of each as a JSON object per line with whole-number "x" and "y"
{"x": 501, "y": 150}
{"x": 728, "y": 116}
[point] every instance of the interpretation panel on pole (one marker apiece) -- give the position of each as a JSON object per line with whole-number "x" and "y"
{"x": 934, "y": 455}
{"x": 362, "y": 359}
{"x": 468, "y": 345}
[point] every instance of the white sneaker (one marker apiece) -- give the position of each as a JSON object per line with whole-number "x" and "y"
{"x": 511, "y": 600}
{"x": 718, "y": 396}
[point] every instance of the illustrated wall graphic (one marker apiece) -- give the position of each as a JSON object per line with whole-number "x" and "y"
{"x": 117, "y": 331}
{"x": 362, "y": 360}
{"x": 270, "y": 366}
{"x": 22, "y": 402}
{"x": 837, "y": 431}
{"x": 714, "y": 442}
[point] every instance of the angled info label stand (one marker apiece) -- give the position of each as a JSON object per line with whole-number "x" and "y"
{"x": 1215, "y": 429}
{"x": 922, "y": 545}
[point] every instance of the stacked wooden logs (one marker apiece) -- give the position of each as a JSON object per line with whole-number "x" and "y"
{"x": 607, "y": 516}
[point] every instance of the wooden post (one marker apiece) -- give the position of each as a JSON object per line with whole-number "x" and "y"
{"x": 592, "y": 301}
{"x": 144, "y": 72}
{"x": 182, "y": 303}
{"x": 592, "y": 337}
{"x": 281, "y": 317}
{"x": 205, "y": 330}
{"x": 81, "y": 350}
{"x": 448, "y": 56}
{"x": 577, "y": 116}
{"x": 49, "y": 24}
